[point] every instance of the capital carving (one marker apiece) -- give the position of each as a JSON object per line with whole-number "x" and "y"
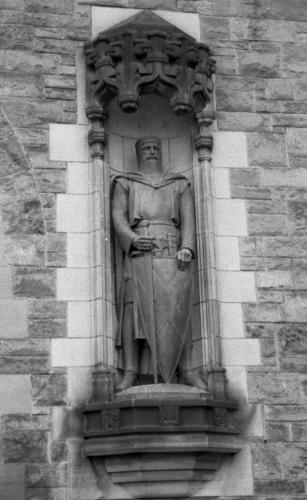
{"x": 139, "y": 58}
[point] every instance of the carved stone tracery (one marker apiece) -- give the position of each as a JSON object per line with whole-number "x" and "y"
{"x": 128, "y": 62}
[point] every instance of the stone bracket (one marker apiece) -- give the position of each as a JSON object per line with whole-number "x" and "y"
{"x": 163, "y": 447}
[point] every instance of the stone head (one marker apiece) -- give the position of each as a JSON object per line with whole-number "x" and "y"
{"x": 148, "y": 151}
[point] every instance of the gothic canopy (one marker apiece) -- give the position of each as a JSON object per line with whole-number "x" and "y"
{"x": 147, "y": 54}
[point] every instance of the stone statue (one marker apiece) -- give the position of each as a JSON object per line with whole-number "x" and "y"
{"x": 154, "y": 222}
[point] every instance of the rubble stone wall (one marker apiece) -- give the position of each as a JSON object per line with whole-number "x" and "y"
{"x": 261, "y": 51}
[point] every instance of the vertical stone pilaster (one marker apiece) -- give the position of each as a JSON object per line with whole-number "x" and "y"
{"x": 207, "y": 268}
{"x": 102, "y": 309}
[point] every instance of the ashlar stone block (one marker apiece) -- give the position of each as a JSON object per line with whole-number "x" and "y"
{"x": 73, "y": 284}
{"x": 229, "y": 150}
{"x": 71, "y": 352}
{"x": 68, "y": 142}
{"x": 236, "y": 286}
{"x": 241, "y": 352}
{"x": 15, "y": 394}
{"x": 13, "y": 318}
{"x": 230, "y": 217}
{"x": 73, "y": 213}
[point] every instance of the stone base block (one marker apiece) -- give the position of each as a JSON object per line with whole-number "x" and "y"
{"x": 162, "y": 441}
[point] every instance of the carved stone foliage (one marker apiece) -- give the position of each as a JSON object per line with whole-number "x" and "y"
{"x": 144, "y": 56}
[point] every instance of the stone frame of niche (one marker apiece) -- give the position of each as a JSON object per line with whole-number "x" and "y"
{"x": 142, "y": 55}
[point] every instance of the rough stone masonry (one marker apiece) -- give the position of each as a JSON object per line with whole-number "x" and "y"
{"x": 261, "y": 51}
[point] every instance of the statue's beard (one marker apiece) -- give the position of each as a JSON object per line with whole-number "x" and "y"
{"x": 151, "y": 164}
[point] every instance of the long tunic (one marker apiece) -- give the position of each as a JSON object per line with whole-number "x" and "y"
{"x": 165, "y": 211}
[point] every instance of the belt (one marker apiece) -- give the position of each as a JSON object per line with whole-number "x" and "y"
{"x": 155, "y": 222}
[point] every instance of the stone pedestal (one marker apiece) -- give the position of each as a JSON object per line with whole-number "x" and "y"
{"x": 158, "y": 441}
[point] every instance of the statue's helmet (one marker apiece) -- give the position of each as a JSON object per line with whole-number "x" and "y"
{"x": 144, "y": 140}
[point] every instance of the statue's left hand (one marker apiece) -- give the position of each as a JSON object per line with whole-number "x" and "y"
{"x": 184, "y": 257}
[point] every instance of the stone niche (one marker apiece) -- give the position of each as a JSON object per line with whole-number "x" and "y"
{"x": 162, "y": 440}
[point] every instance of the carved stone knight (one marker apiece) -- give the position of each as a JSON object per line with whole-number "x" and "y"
{"x": 153, "y": 219}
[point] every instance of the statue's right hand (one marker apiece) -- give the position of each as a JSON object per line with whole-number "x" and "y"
{"x": 143, "y": 243}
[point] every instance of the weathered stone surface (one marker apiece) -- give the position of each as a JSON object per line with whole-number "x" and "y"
{"x": 57, "y": 6}
{"x": 299, "y": 270}
{"x": 12, "y": 85}
{"x": 24, "y": 364}
{"x": 46, "y": 477}
{"x": 254, "y": 193}
{"x": 244, "y": 177}
{"x": 153, "y": 4}
{"x": 263, "y": 30}
{"x": 46, "y": 494}
{"x": 22, "y": 216}
{"x": 294, "y": 58}
{"x": 293, "y": 340}
{"x": 267, "y": 150}
{"x": 56, "y": 249}
{"x": 49, "y": 389}
{"x": 235, "y": 8}
{"x": 249, "y": 122}
{"x": 232, "y": 100}
{"x": 268, "y": 349}
{"x": 50, "y": 328}
{"x": 262, "y": 263}
{"x": 289, "y": 120}
{"x": 273, "y": 246}
{"x": 282, "y": 9}
{"x": 295, "y": 306}
{"x": 298, "y": 217}
{"x": 266, "y": 225}
{"x": 28, "y": 347}
{"x": 280, "y": 88}
{"x": 281, "y": 177}
{"x": 12, "y": 481}
{"x": 267, "y": 295}
{"x": 278, "y": 431}
{"x": 265, "y": 62}
{"x": 13, "y": 60}
{"x": 59, "y": 451}
{"x": 263, "y": 312}
{"x": 279, "y": 487}
{"x": 34, "y": 282}
{"x": 14, "y": 37}
{"x": 53, "y": 181}
{"x": 267, "y": 207}
{"x": 34, "y": 112}
{"x": 25, "y": 250}
{"x": 297, "y": 142}
{"x": 293, "y": 365}
{"x": 286, "y": 413}
{"x": 42, "y": 309}
{"x": 299, "y": 431}
{"x": 215, "y": 27}
{"x": 27, "y": 422}
{"x": 26, "y": 446}
{"x": 273, "y": 388}
{"x": 274, "y": 279}
{"x": 267, "y": 461}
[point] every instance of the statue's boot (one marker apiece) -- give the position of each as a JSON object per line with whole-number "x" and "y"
{"x": 128, "y": 380}
{"x": 189, "y": 377}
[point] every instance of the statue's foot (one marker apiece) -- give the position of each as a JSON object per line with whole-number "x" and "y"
{"x": 191, "y": 378}
{"x": 128, "y": 380}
